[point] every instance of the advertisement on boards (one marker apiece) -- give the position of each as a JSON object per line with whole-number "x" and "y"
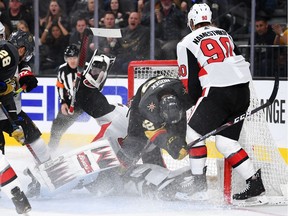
{"x": 42, "y": 105}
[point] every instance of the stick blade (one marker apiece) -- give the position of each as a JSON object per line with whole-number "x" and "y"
{"x": 100, "y": 32}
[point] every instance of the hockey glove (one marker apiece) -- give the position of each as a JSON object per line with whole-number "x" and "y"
{"x": 18, "y": 135}
{"x": 28, "y": 79}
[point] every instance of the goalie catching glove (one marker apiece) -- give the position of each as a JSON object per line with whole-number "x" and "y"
{"x": 27, "y": 79}
{"x": 96, "y": 72}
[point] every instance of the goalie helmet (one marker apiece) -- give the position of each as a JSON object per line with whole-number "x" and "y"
{"x": 71, "y": 51}
{"x": 2, "y": 31}
{"x": 170, "y": 109}
{"x": 199, "y": 13}
{"x": 96, "y": 73}
{"x": 23, "y": 39}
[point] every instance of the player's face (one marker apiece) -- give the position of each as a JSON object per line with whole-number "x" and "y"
{"x": 72, "y": 61}
{"x": 21, "y": 53}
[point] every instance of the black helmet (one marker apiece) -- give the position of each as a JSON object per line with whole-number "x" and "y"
{"x": 170, "y": 109}
{"x": 71, "y": 50}
{"x": 23, "y": 39}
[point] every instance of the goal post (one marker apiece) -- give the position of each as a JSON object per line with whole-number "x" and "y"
{"x": 142, "y": 70}
{"x": 255, "y": 138}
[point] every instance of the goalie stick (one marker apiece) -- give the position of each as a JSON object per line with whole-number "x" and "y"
{"x": 82, "y": 59}
{"x": 242, "y": 116}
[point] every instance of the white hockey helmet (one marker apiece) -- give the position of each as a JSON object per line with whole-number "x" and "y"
{"x": 199, "y": 13}
{"x": 2, "y": 31}
{"x": 96, "y": 74}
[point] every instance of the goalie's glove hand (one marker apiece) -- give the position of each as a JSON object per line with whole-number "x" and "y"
{"x": 18, "y": 135}
{"x": 28, "y": 79}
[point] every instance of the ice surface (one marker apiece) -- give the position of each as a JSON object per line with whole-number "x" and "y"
{"x": 80, "y": 202}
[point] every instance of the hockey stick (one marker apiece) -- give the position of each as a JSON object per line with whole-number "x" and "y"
{"x": 111, "y": 33}
{"x": 80, "y": 68}
{"x": 242, "y": 116}
{"x": 20, "y": 90}
{"x": 16, "y": 127}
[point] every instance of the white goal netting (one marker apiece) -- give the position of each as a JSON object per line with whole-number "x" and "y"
{"x": 255, "y": 137}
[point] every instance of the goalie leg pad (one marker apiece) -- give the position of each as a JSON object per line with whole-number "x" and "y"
{"x": 116, "y": 124}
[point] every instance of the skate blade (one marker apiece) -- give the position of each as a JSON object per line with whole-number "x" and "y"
{"x": 253, "y": 201}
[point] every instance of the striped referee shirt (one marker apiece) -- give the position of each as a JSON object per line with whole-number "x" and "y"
{"x": 65, "y": 78}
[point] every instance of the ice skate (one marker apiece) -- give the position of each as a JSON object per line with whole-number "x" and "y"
{"x": 185, "y": 187}
{"x": 20, "y": 201}
{"x": 193, "y": 187}
{"x": 253, "y": 191}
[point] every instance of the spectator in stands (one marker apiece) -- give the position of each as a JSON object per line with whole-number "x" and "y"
{"x": 18, "y": 12}
{"x": 45, "y": 4}
{"x": 281, "y": 34}
{"x": 108, "y": 45}
{"x": 77, "y": 35}
{"x": 78, "y": 6}
{"x": 134, "y": 44}
{"x": 53, "y": 14}
{"x": 265, "y": 7}
{"x": 5, "y": 20}
{"x": 23, "y": 26}
{"x": 55, "y": 39}
{"x": 87, "y": 13}
{"x": 143, "y": 9}
{"x": 170, "y": 24}
{"x": 281, "y": 38}
{"x": 121, "y": 18}
{"x": 77, "y": 32}
{"x": 264, "y": 36}
{"x": 3, "y": 5}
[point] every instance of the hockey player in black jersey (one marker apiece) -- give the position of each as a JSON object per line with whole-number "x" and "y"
{"x": 27, "y": 133}
{"x": 157, "y": 121}
{"x": 9, "y": 183}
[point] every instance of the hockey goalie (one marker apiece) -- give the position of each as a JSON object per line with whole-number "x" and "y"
{"x": 97, "y": 168}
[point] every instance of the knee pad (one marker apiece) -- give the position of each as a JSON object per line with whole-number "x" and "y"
{"x": 114, "y": 126}
{"x": 192, "y": 135}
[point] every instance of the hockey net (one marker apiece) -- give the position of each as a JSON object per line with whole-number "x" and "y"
{"x": 255, "y": 138}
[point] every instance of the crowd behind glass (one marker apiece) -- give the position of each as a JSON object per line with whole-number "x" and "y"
{"x": 62, "y": 23}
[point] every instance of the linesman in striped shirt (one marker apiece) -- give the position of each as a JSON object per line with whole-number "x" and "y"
{"x": 65, "y": 80}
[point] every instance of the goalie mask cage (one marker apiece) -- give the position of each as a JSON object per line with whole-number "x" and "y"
{"x": 255, "y": 138}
